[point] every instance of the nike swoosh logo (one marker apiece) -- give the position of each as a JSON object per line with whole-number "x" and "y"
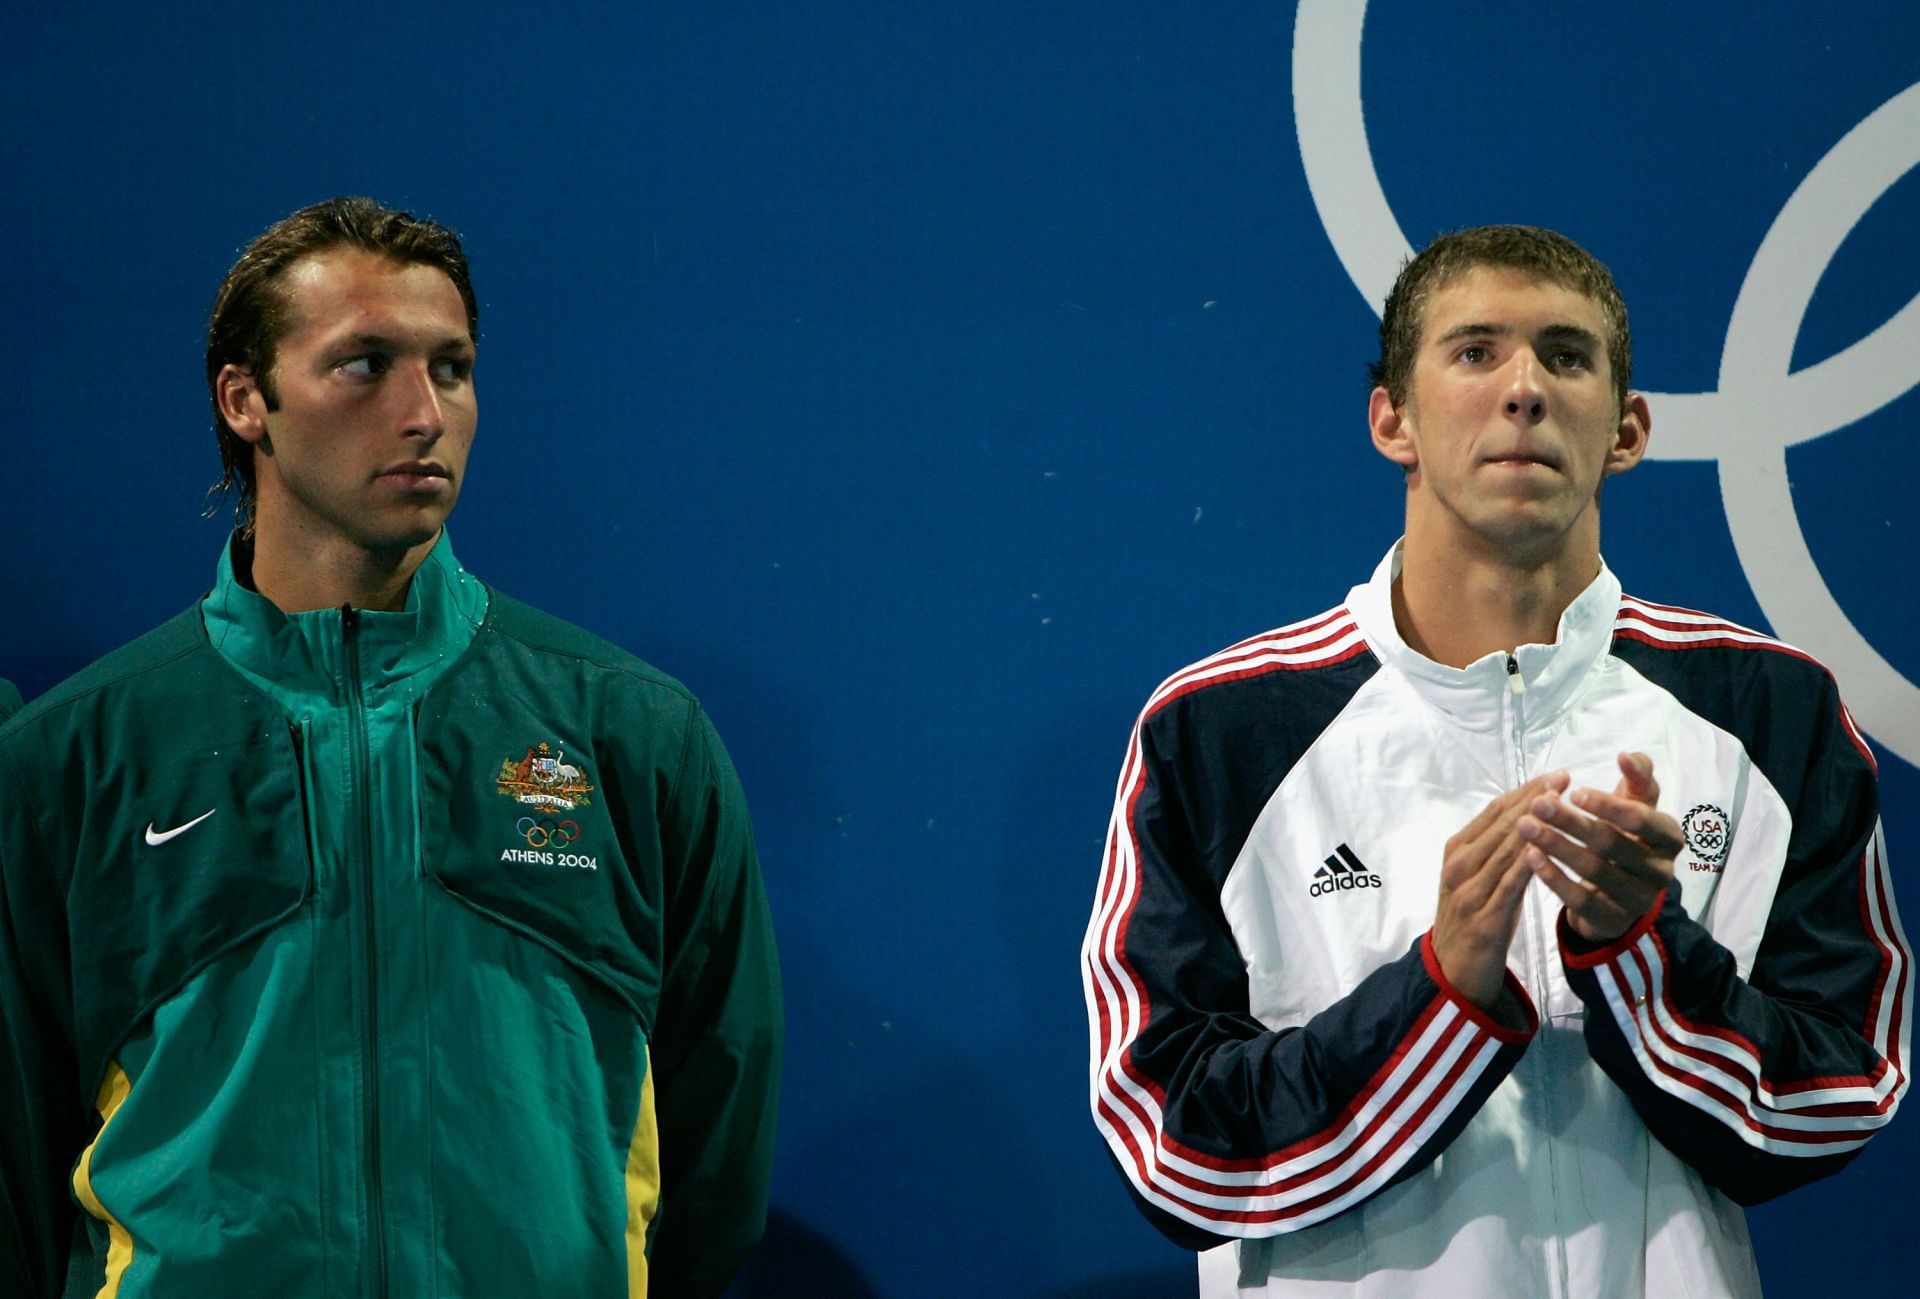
{"x": 157, "y": 839}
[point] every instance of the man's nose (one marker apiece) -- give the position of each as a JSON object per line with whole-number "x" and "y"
{"x": 422, "y": 413}
{"x": 1526, "y": 397}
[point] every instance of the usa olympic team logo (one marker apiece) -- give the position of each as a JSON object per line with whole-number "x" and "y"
{"x": 1761, "y": 407}
{"x": 1705, "y": 829}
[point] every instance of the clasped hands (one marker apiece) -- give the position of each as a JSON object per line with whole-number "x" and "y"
{"x": 1607, "y": 856}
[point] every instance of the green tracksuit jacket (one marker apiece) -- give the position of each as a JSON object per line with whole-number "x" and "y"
{"x": 378, "y": 954}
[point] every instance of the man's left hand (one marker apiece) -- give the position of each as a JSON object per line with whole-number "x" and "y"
{"x": 1610, "y": 860}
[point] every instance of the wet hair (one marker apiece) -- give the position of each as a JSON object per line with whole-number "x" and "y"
{"x": 251, "y": 313}
{"x": 1528, "y": 249}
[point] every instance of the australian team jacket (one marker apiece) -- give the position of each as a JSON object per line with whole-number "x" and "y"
{"x": 1279, "y": 1064}
{"x": 354, "y": 953}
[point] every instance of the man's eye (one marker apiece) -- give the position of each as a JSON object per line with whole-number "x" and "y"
{"x": 1474, "y": 353}
{"x": 1568, "y": 359}
{"x": 452, "y": 369}
{"x": 363, "y": 365}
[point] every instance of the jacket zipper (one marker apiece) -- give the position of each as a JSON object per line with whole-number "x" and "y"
{"x": 1517, "y": 687}
{"x": 370, "y": 1048}
{"x": 1517, "y": 739}
{"x": 1538, "y": 956}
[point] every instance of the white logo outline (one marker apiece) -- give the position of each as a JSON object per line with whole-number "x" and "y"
{"x": 1761, "y": 407}
{"x": 155, "y": 840}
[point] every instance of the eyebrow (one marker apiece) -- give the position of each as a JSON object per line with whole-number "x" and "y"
{"x": 453, "y": 342}
{"x": 1485, "y": 329}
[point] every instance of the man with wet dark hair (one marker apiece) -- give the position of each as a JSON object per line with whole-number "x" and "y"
{"x": 253, "y": 308}
{"x": 1494, "y": 932}
{"x": 363, "y": 930}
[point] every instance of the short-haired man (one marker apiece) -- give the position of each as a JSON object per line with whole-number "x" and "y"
{"x": 1494, "y": 932}
{"x": 362, "y": 930}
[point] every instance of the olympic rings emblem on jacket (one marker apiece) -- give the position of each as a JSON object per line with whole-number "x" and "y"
{"x": 543, "y": 832}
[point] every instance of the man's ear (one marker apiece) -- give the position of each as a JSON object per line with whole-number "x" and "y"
{"x": 1388, "y": 424}
{"x": 1630, "y": 438}
{"x": 241, "y": 403}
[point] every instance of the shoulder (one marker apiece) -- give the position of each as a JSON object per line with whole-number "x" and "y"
{"x": 1317, "y": 655}
{"x": 1677, "y": 642}
{"x": 168, "y": 661}
{"x": 526, "y": 660}
{"x": 114, "y": 715}
{"x": 515, "y": 628}
{"x": 1675, "y": 629}
{"x": 1744, "y": 681}
{"x": 1244, "y": 716}
{"x": 1220, "y": 736}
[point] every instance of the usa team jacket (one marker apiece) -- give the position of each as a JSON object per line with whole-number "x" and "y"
{"x": 366, "y": 954}
{"x": 1279, "y": 1063}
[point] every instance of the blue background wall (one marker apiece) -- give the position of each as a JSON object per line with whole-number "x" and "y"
{"x": 922, "y": 383}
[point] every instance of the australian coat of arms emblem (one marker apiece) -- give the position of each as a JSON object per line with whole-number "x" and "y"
{"x": 543, "y": 778}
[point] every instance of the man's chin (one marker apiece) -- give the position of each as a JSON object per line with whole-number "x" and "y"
{"x": 1529, "y": 531}
{"x": 400, "y": 539}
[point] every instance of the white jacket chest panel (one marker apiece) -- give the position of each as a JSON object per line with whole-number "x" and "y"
{"x": 1394, "y": 777}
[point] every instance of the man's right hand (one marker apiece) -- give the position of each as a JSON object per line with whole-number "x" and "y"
{"x": 1483, "y": 878}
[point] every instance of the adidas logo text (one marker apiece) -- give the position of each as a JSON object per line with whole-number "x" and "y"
{"x": 1341, "y": 871}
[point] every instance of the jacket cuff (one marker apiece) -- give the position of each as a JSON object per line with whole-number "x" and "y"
{"x": 1581, "y": 954}
{"x": 1488, "y": 1024}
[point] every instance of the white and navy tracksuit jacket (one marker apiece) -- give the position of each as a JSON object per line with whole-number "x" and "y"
{"x": 1279, "y": 1068}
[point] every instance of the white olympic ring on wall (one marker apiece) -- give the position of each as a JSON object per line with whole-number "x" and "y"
{"x": 1760, "y": 408}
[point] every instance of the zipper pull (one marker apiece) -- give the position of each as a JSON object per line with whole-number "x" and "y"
{"x": 350, "y": 620}
{"x": 1515, "y": 682}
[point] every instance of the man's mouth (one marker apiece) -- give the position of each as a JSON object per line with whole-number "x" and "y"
{"x": 1523, "y": 458}
{"x": 417, "y": 475}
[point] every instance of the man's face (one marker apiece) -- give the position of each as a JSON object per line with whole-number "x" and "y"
{"x": 1510, "y": 422}
{"x": 376, "y": 409}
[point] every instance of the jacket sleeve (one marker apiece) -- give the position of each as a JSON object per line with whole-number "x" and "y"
{"x": 41, "y": 1115}
{"x": 1221, "y": 1126}
{"x": 1767, "y": 1082}
{"x": 716, "y": 1048}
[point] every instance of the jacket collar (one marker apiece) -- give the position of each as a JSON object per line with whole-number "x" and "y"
{"x": 1475, "y": 695}
{"x": 301, "y": 659}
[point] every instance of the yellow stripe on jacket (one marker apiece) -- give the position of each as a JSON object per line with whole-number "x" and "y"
{"x": 113, "y": 1093}
{"x": 643, "y": 1185}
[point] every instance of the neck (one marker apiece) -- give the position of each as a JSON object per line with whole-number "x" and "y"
{"x": 1456, "y": 606}
{"x": 299, "y": 573}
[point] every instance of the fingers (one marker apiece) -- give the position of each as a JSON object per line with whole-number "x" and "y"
{"x": 1498, "y": 816}
{"x": 1596, "y": 848}
{"x": 1636, "y": 779}
{"x": 1474, "y": 922}
{"x": 1483, "y": 879}
{"x": 1607, "y": 857}
{"x": 1594, "y": 914}
{"x": 1487, "y": 844}
{"x": 1492, "y": 812}
{"x": 1645, "y": 822}
{"x": 1512, "y": 885}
